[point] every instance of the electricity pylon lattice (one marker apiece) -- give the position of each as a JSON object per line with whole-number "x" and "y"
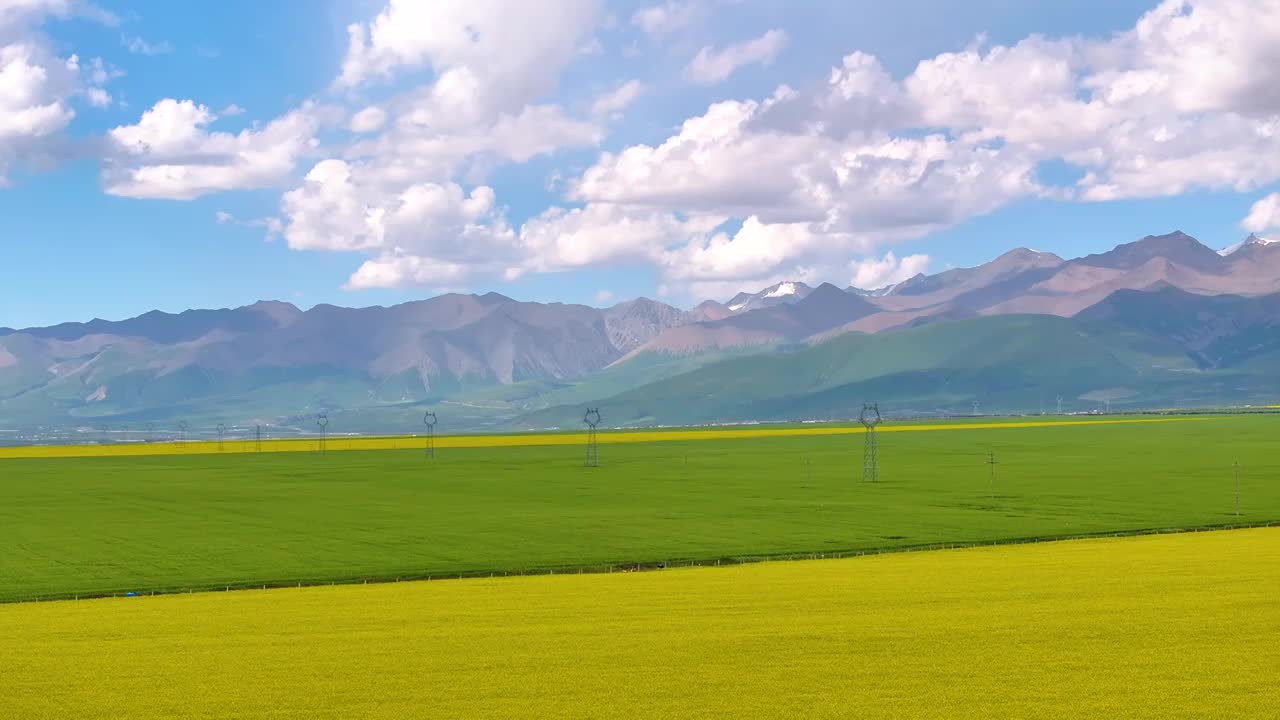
{"x": 323, "y": 422}
{"x": 870, "y": 419}
{"x": 592, "y": 420}
{"x": 429, "y": 420}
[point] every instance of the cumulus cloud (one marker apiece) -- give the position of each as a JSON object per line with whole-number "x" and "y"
{"x": 36, "y": 85}
{"x": 501, "y": 54}
{"x": 427, "y": 233}
{"x": 1264, "y": 216}
{"x": 170, "y": 152}
{"x": 873, "y": 274}
{"x": 599, "y": 233}
{"x": 711, "y": 66}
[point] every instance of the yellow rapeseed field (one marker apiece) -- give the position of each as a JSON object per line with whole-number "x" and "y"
{"x": 519, "y": 439}
{"x": 1172, "y": 626}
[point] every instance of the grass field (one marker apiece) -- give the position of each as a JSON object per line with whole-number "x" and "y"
{"x": 1160, "y": 627}
{"x": 79, "y": 526}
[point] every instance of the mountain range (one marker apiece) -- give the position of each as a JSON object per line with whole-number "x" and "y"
{"x": 1161, "y": 320}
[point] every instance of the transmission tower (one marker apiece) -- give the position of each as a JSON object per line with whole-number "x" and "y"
{"x": 1059, "y": 404}
{"x": 222, "y": 434}
{"x": 429, "y": 420}
{"x": 258, "y": 431}
{"x": 975, "y": 408}
{"x": 592, "y": 420}
{"x": 991, "y": 463}
{"x": 870, "y": 418}
{"x": 322, "y": 420}
{"x": 182, "y": 432}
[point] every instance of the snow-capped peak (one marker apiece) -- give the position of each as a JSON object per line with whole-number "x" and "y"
{"x": 1251, "y": 240}
{"x": 736, "y": 307}
{"x": 782, "y": 290}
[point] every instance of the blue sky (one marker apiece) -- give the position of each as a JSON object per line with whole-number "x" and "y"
{"x": 504, "y": 160}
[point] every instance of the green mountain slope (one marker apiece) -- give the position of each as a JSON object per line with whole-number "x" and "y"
{"x": 1014, "y": 363}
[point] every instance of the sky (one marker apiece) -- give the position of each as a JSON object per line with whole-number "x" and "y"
{"x": 160, "y": 155}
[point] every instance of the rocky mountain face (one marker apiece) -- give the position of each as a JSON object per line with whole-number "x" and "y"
{"x": 1019, "y": 281}
{"x": 783, "y": 293}
{"x": 633, "y": 323}
{"x": 820, "y": 310}
{"x": 404, "y": 353}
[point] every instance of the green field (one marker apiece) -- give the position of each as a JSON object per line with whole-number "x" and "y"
{"x": 79, "y": 526}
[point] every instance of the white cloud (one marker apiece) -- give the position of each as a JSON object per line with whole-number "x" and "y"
{"x": 612, "y": 103}
{"x": 604, "y": 296}
{"x": 700, "y": 169}
{"x": 891, "y": 186}
{"x": 390, "y": 271}
{"x": 873, "y": 274}
{"x": 1264, "y": 216}
{"x": 711, "y": 66}
{"x": 668, "y": 17}
{"x": 36, "y": 86}
{"x": 171, "y": 154}
{"x": 370, "y": 119}
{"x": 498, "y": 54}
{"x": 97, "y": 97}
{"x": 426, "y": 233}
{"x": 138, "y": 46}
{"x": 599, "y": 233}
{"x": 231, "y": 110}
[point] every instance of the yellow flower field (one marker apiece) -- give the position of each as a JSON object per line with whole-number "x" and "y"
{"x": 1170, "y": 626}
{"x": 338, "y": 443}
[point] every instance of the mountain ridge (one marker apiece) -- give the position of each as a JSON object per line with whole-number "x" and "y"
{"x": 495, "y": 358}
